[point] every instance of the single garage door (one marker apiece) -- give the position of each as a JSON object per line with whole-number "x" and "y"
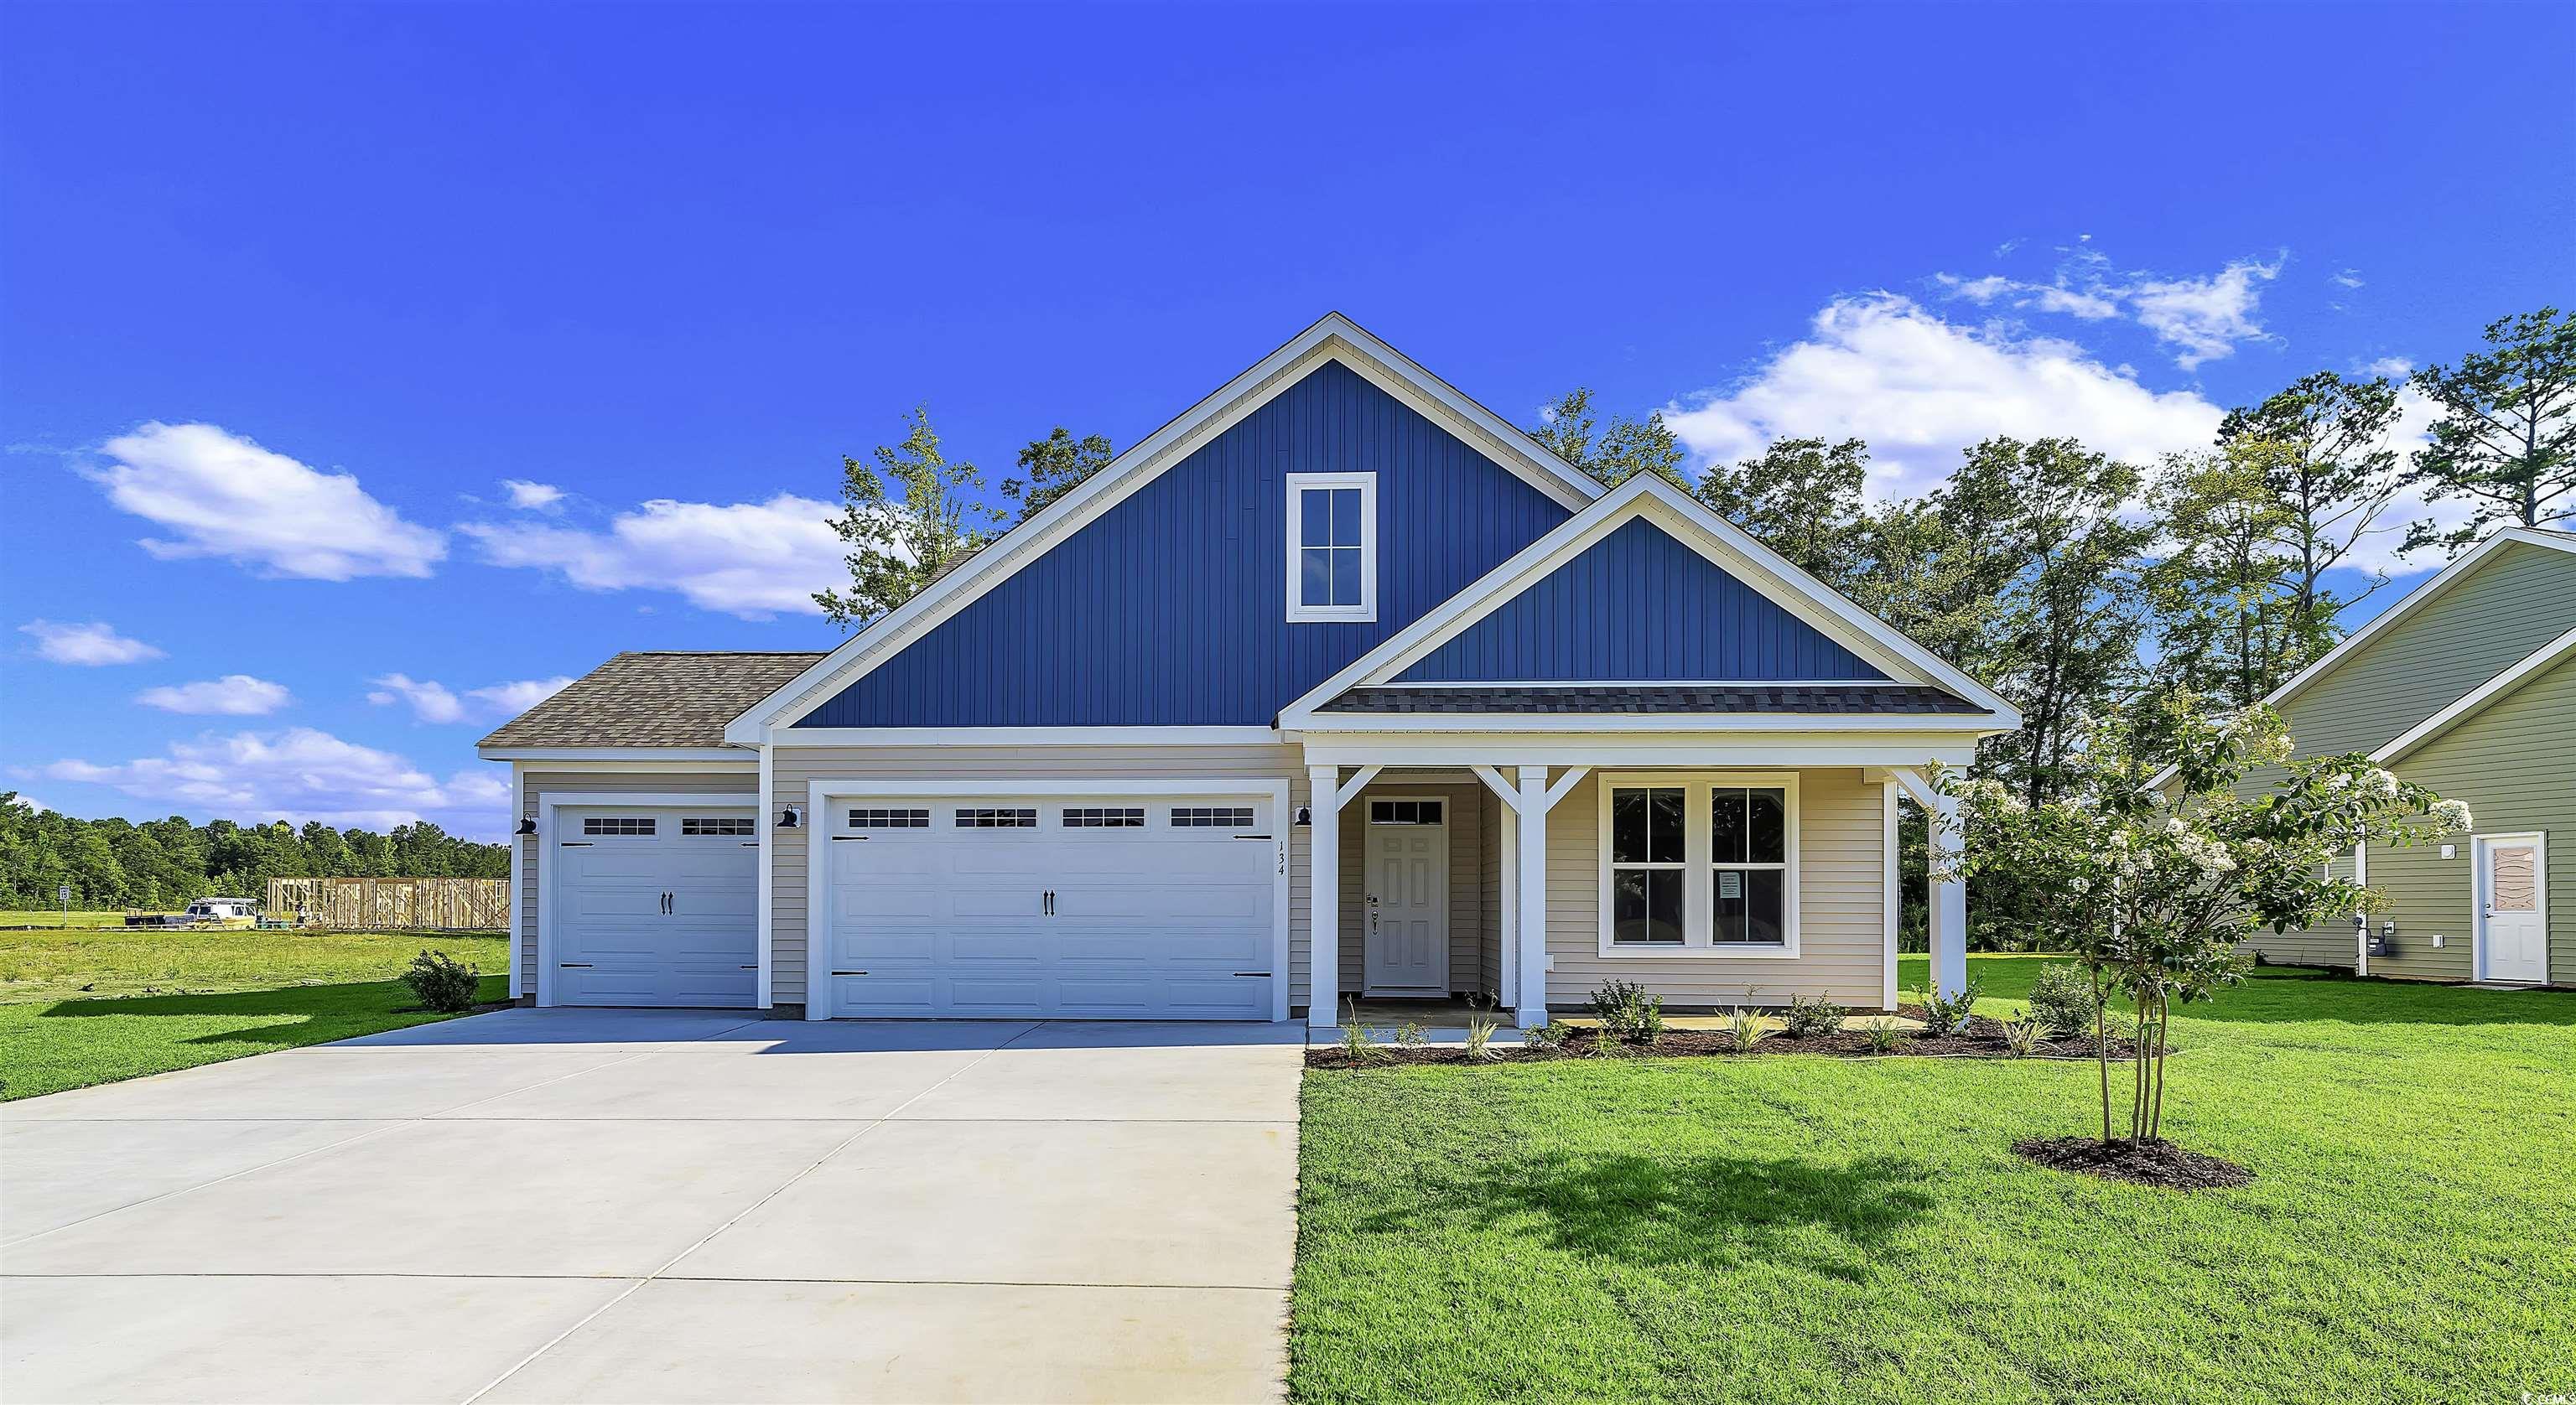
{"x": 1106, "y": 907}
{"x": 655, "y": 906}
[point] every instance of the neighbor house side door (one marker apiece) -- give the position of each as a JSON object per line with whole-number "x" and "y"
{"x": 2513, "y": 939}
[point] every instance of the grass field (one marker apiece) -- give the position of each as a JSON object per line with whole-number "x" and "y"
{"x": 56, "y": 917}
{"x": 85, "y": 1007}
{"x": 1796, "y": 1228}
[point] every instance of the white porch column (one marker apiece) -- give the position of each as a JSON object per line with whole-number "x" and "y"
{"x": 1507, "y": 859}
{"x": 1949, "y": 898}
{"x": 1323, "y": 896}
{"x": 1532, "y": 928}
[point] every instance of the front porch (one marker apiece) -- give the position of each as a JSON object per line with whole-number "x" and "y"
{"x": 1452, "y": 891}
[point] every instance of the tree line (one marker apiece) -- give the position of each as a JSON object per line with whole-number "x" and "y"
{"x": 168, "y": 863}
{"x": 2069, "y": 581}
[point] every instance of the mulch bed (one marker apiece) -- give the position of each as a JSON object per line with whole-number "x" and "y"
{"x": 2155, "y": 1163}
{"x": 1982, "y": 1038}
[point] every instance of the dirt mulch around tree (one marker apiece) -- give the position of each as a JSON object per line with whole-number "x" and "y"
{"x": 1982, "y": 1038}
{"x": 2155, "y": 1163}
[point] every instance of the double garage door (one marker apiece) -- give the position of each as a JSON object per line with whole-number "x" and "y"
{"x": 656, "y": 906}
{"x": 1063, "y": 907}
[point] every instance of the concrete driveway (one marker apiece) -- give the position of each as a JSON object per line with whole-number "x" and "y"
{"x": 624, "y": 1206}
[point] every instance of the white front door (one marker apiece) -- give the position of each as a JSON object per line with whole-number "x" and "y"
{"x": 655, "y": 906}
{"x": 1041, "y": 906}
{"x": 1406, "y": 906}
{"x": 2513, "y": 905}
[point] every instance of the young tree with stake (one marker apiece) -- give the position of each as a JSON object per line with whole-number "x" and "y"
{"x": 2154, "y": 889}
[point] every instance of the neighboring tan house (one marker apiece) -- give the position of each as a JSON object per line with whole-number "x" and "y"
{"x": 2468, "y": 687}
{"x": 1337, "y": 651}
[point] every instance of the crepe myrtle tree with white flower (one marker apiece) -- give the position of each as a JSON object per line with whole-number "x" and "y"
{"x": 2153, "y": 888}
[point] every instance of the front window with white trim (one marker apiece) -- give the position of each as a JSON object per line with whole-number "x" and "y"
{"x": 1332, "y": 546}
{"x": 1699, "y": 865}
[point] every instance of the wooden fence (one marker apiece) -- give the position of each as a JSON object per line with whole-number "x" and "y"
{"x": 393, "y": 904}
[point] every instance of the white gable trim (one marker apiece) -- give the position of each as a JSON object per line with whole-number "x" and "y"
{"x": 1725, "y": 545}
{"x": 1334, "y": 338}
{"x": 2534, "y": 663}
{"x": 2461, "y": 568}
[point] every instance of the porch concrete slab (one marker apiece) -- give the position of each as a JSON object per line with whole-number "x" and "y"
{"x": 278, "y": 1339}
{"x": 717, "y": 1342}
{"x": 1195, "y": 1077}
{"x": 327, "y": 1082}
{"x": 1209, "y": 1204}
{"x": 57, "y": 1171}
{"x": 483, "y": 1197}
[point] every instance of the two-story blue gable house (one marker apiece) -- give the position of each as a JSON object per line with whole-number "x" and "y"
{"x": 1336, "y": 685}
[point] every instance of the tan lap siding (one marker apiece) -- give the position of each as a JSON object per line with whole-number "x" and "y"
{"x": 794, "y": 769}
{"x": 535, "y": 785}
{"x": 1467, "y": 888}
{"x": 2514, "y": 764}
{"x": 1841, "y": 916}
{"x": 2332, "y": 944}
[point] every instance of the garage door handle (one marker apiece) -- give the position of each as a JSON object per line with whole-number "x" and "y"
{"x": 575, "y": 965}
{"x": 849, "y": 973}
{"x": 1265, "y": 975}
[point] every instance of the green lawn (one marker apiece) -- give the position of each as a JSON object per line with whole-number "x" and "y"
{"x": 1797, "y": 1228}
{"x": 56, "y": 917}
{"x": 85, "y": 1007}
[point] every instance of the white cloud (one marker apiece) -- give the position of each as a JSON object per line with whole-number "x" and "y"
{"x": 2046, "y": 297}
{"x": 2346, "y": 278}
{"x": 2203, "y": 318}
{"x": 533, "y": 497}
{"x": 433, "y": 701}
{"x": 299, "y": 774}
{"x": 233, "y": 695}
{"x": 2206, "y": 317}
{"x": 755, "y": 560}
{"x": 430, "y": 701}
{"x": 89, "y": 645}
{"x": 224, "y": 496}
{"x": 511, "y": 699}
{"x": 1919, "y": 389}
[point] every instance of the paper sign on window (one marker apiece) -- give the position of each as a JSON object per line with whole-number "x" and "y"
{"x": 1730, "y": 885}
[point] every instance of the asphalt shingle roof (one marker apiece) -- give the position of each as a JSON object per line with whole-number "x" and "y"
{"x": 653, "y": 699}
{"x": 1660, "y": 697}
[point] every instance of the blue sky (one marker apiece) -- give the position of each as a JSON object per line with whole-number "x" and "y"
{"x": 293, "y": 294}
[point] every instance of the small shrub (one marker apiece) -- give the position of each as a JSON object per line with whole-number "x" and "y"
{"x": 2063, "y": 996}
{"x": 1480, "y": 1037}
{"x": 1357, "y": 1046}
{"x": 1882, "y": 1034}
{"x": 1410, "y": 1035}
{"x": 1627, "y": 1013}
{"x": 1812, "y": 1015}
{"x": 443, "y": 983}
{"x": 1547, "y": 1036}
{"x": 1746, "y": 1027}
{"x": 1945, "y": 1015}
{"x": 2025, "y": 1034}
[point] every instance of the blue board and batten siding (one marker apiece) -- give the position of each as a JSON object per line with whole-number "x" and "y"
{"x": 1639, "y": 606}
{"x": 1170, "y": 608}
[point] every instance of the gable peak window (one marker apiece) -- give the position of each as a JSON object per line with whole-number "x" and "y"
{"x": 1332, "y": 546}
